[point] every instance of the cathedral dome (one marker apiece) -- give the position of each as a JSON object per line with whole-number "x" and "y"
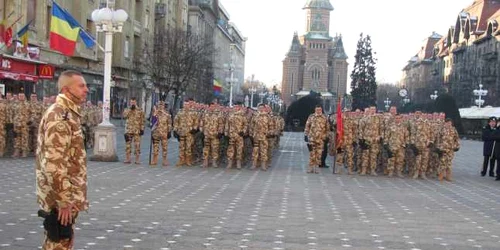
{"x": 318, "y": 4}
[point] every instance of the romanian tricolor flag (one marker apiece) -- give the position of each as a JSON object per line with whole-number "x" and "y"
{"x": 64, "y": 31}
{"x": 217, "y": 87}
{"x": 22, "y": 34}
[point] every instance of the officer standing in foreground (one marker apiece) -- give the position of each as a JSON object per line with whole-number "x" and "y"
{"x": 134, "y": 129}
{"x": 61, "y": 167}
{"x": 315, "y": 134}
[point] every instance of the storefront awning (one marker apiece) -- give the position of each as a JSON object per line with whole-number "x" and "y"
{"x": 18, "y": 76}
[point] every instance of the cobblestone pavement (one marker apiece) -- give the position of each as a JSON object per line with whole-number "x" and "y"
{"x": 138, "y": 207}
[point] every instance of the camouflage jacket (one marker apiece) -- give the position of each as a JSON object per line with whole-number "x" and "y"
{"x": 317, "y": 128}
{"x": 184, "y": 122}
{"x": 259, "y": 127}
{"x": 3, "y": 117}
{"x": 22, "y": 114}
{"x": 61, "y": 167}
{"x": 420, "y": 133}
{"x": 448, "y": 139}
{"x": 164, "y": 123}
{"x": 235, "y": 124}
{"x": 212, "y": 124}
{"x": 135, "y": 120}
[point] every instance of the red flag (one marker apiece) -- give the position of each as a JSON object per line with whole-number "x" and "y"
{"x": 339, "y": 135}
{"x": 8, "y": 37}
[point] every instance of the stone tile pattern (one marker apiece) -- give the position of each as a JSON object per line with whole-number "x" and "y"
{"x": 138, "y": 207}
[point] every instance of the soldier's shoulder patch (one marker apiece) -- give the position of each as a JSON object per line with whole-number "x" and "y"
{"x": 61, "y": 127}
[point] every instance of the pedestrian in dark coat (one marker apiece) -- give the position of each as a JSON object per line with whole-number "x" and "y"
{"x": 490, "y": 135}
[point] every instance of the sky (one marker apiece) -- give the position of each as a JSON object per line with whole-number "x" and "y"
{"x": 397, "y": 28}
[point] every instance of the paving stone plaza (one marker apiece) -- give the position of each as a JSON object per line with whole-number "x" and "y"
{"x": 139, "y": 207}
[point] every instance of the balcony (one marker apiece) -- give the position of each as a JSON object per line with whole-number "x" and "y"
{"x": 137, "y": 27}
{"x": 490, "y": 55}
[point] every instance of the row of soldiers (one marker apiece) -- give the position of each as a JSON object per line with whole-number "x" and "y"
{"x": 419, "y": 144}
{"x": 211, "y": 133}
{"x": 19, "y": 120}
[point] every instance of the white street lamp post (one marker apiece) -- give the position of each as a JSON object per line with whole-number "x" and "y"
{"x": 252, "y": 90}
{"x": 435, "y": 95}
{"x": 231, "y": 80}
{"x": 261, "y": 95}
{"x": 108, "y": 21}
{"x": 480, "y": 93}
{"x": 387, "y": 103}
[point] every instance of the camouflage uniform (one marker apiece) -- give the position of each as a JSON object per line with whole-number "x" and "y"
{"x": 161, "y": 133}
{"x": 369, "y": 132}
{"x": 348, "y": 140}
{"x": 421, "y": 141}
{"x": 22, "y": 122}
{"x": 235, "y": 129}
{"x": 396, "y": 140}
{"x": 3, "y": 130}
{"x": 258, "y": 131}
{"x": 61, "y": 167}
{"x": 183, "y": 127}
{"x": 447, "y": 142}
{"x": 133, "y": 130}
{"x": 316, "y": 130}
{"x": 212, "y": 125}
{"x": 271, "y": 139}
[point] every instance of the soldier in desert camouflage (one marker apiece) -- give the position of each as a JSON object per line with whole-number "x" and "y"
{"x": 162, "y": 130}
{"x": 212, "y": 127}
{"x": 236, "y": 129}
{"x": 22, "y": 122}
{"x": 134, "y": 129}
{"x": 447, "y": 144}
{"x": 61, "y": 171}
{"x": 315, "y": 134}
{"x": 258, "y": 131}
{"x": 37, "y": 111}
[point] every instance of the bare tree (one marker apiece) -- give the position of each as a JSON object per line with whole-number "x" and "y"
{"x": 179, "y": 59}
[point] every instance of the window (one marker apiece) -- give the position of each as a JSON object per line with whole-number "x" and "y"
{"x": 89, "y": 25}
{"x": 47, "y": 20}
{"x": 31, "y": 13}
{"x": 125, "y": 48}
{"x": 146, "y": 20}
{"x": 315, "y": 74}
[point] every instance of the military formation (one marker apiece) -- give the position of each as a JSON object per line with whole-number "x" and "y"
{"x": 19, "y": 127}
{"x": 211, "y": 135}
{"x": 418, "y": 145}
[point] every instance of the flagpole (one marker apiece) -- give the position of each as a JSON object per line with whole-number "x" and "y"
{"x": 335, "y": 155}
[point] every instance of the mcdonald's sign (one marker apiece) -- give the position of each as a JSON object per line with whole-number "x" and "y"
{"x": 46, "y": 71}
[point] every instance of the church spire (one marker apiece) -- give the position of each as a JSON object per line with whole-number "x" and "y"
{"x": 319, "y": 4}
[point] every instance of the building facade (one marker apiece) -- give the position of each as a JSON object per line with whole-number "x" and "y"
{"x": 315, "y": 61}
{"x": 465, "y": 57}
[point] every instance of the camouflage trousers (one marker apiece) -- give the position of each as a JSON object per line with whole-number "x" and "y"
{"x": 433, "y": 163}
{"x": 369, "y": 158}
{"x": 397, "y": 161}
{"x": 211, "y": 145}
{"x": 185, "y": 147}
{"x": 22, "y": 136}
{"x": 136, "y": 139}
{"x": 315, "y": 153}
{"x": 422, "y": 160}
{"x": 348, "y": 155}
{"x": 33, "y": 138}
{"x": 235, "y": 144}
{"x": 271, "y": 142}
{"x": 445, "y": 161}
{"x": 157, "y": 140}
{"x": 3, "y": 139}
{"x": 260, "y": 150}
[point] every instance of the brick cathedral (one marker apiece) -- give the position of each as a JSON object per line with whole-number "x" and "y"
{"x": 316, "y": 61}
